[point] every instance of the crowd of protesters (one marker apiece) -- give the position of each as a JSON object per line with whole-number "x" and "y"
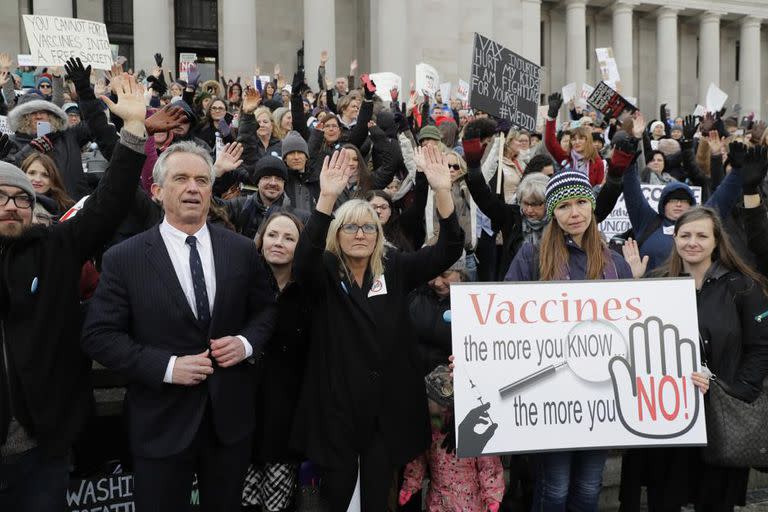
{"x": 269, "y": 266}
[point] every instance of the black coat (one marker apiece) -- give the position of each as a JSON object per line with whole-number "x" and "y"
{"x": 363, "y": 374}
{"x": 139, "y": 317}
{"x": 737, "y": 352}
{"x": 282, "y": 374}
{"x": 41, "y": 315}
{"x": 433, "y": 333}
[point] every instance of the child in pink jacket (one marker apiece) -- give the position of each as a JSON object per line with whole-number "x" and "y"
{"x": 456, "y": 485}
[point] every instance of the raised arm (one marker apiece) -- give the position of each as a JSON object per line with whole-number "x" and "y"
{"x": 297, "y": 106}
{"x": 729, "y": 192}
{"x": 550, "y": 133}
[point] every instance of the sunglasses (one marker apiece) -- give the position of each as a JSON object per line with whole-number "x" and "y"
{"x": 44, "y": 86}
{"x": 455, "y": 167}
{"x": 352, "y": 229}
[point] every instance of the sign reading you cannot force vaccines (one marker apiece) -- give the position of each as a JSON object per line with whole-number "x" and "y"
{"x": 504, "y": 84}
{"x": 575, "y": 365}
{"x": 53, "y": 40}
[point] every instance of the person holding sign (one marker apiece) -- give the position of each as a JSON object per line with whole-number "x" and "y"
{"x": 570, "y": 249}
{"x": 732, "y": 300}
{"x": 363, "y": 404}
{"x": 583, "y": 156}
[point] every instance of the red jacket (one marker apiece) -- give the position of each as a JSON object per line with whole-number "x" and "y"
{"x": 596, "y": 166}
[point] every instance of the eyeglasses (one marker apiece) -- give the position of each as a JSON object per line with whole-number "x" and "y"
{"x": 352, "y": 229}
{"x": 44, "y": 86}
{"x": 455, "y": 167}
{"x": 332, "y": 126}
{"x": 22, "y": 201}
{"x": 217, "y": 109}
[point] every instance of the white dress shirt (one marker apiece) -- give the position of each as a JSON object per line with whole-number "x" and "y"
{"x": 178, "y": 250}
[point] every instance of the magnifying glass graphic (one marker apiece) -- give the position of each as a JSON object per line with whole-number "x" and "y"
{"x": 587, "y": 349}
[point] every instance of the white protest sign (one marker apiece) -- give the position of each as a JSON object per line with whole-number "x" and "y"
{"x": 4, "y": 127}
{"x": 462, "y": 91}
{"x": 385, "y": 82}
{"x": 562, "y": 365}
{"x": 427, "y": 78}
{"x": 541, "y": 118}
{"x": 569, "y": 92}
{"x": 699, "y": 110}
{"x": 586, "y": 92}
{"x": 618, "y": 220}
{"x": 608, "y": 68}
{"x": 24, "y": 59}
{"x": 185, "y": 61}
{"x": 52, "y": 40}
{"x": 631, "y": 99}
{"x": 445, "y": 92}
{"x": 715, "y": 98}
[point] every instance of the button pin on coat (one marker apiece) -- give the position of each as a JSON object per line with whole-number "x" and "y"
{"x": 33, "y": 287}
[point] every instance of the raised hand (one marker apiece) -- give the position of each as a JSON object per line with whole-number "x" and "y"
{"x": 159, "y": 60}
{"x": 736, "y": 154}
{"x": 251, "y": 100}
{"x": 632, "y": 256}
{"x": 130, "y": 106}
{"x": 419, "y": 158}
{"x": 436, "y": 169}
{"x": 638, "y": 125}
{"x": 757, "y": 131}
{"x": 229, "y": 159}
{"x": 394, "y": 94}
{"x": 6, "y": 62}
{"x": 555, "y": 102}
{"x": 754, "y": 169}
{"x": 79, "y": 74}
{"x": 715, "y": 143}
{"x": 277, "y": 70}
{"x": 323, "y": 57}
{"x": 353, "y": 67}
{"x": 707, "y": 123}
{"x": 689, "y": 127}
{"x": 369, "y": 87}
{"x": 165, "y": 120}
{"x": 334, "y": 175}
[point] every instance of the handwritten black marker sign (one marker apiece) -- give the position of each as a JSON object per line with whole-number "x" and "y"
{"x": 504, "y": 84}
{"x": 609, "y": 102}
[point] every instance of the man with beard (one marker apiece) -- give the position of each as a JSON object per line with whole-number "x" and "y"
{"x": 45, "y": 393}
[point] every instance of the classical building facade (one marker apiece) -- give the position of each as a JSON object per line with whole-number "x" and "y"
{"x": 667, "y": 51}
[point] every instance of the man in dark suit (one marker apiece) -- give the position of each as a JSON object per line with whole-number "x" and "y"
{"x": 181, "y": 309}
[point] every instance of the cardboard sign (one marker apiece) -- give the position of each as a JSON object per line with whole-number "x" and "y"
{"x": 462, "y": 91}
{"x": 715, "y": 98}
{"x": 427, "y": 79}
{"x": 571, "y": 365}
{"x": 445, "y": 92}
{"x": 504, "y": 84}
{"x": 569, "y": 92}
{"x": 609, "y": 102}
{"x": 608, "y": 68}
{"x": 385, "y": 82}
{"x": 618, "y": 220}
{"x": 185, "y": 61}
{"x": 53, "y": 39}
{"x": 109, "y": 492}
{"x": 24, "y": 59}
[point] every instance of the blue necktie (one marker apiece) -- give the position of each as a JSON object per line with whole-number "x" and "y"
{"x": 198, "y": 282}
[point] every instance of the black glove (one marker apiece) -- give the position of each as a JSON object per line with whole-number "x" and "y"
{"x": 555, "y": 102}
{"x": 663, "y": 113}
{"x": 157, "y": 85}
{"x": 754, "y": 169}
{"x": 298, "y": 81}
{"x": 79, "y": 74}
{"x": 159, "y": 60}
{"x": 5, "y": 145}
{"x": 689, "y": 127}
{"x": 402, "y": 122}
{"x": 736, "y": 154}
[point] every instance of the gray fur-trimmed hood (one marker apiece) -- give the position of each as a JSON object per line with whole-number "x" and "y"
{"x": 22, "y": 109}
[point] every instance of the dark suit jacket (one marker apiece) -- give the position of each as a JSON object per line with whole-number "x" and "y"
{"x": 139, "y": 317}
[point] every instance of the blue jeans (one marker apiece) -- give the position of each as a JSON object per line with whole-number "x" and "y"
{"x": 568, "y": 481}
{"x": 33, "y": 481}
{"x": 470, "y": 267}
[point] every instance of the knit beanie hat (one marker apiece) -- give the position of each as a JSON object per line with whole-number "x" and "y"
{"x": 294, "y": 142}
{"x": 655, "y": 124}
{"x": 429, "y": 132}
{"x": 440, "y": 385}
{"x": 566, "y": 185}
{"x": 12, "y": 176}
{"x": 43, "y": 79}
{"x": 269, "y": 165}
{"x": 676, "y": 128}
{"x": 680, "y": 194}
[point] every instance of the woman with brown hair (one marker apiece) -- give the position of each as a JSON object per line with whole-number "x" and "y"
{"x": 571, "y": 248}
{"x": 41, "y": 170}
{"x": 583, "y": 156}
{"x": 731, "y": 301}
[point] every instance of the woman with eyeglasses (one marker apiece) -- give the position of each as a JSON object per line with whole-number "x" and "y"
{"x": 214, "y": 121}
{"x": 363, "y": 402}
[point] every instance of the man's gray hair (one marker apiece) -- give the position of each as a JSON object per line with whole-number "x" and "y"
{"x": 161, "y": 166}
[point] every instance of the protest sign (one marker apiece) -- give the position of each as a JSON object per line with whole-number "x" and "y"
{"x": 575, "y": 365}
{"x": 109, "y": 492}
{"x": 504, "y": 84}
{"x": 24, "y": 59}
{"x": 445, "y": 92}
{"x": 715, "y": 98}
{"x": 462, "y": 91}
{"x": 53, "y": 39}
{"x": 618, "y": 220}
{"x": 4, "y": 127}
{"x": 385, "y": 82}
{"x": 609, "y": 102}
{"x": 699, "y": 111}
{"x": 569, "y": 92}
{"x": 427, "y": 79}
{"x": 185, "y": 61}
{"x": 608, "y": 68}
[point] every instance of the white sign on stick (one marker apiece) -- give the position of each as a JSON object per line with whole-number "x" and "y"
{"x": 427, "y": 78}
{"x": 53, "y": 39}
{"x": 715, "y": 98}
{"x": 562, "y": 365}
{"x": 445, "y": 92}
{"x": 462, "y": 91}
{"x": 24, "y": 59}
{"x": 385, "y": 82}
{"x": 569, "y": 92}
{"x": 185, "y": 62}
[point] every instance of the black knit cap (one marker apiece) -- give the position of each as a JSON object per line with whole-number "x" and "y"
{"x": 269, "y": 165}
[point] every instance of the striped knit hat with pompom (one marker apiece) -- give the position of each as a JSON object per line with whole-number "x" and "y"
{"x": 566, "y": 185}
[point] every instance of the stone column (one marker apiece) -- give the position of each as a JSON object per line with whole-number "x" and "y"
{"x": 53, "y": 7}
{"x": 389, "y": 40}
{"x": 576, "y": 41}
{"x": 319, "y": 35}
{"x": 749, "y": 66}
{"x": 531, "y": 15}
{"x": 667, "y": 59}
{"x": 237, "y": 54}
{"x": 622, "y": 45}
{"x": 156, "y": 18}
{"x": 709, "y": 52}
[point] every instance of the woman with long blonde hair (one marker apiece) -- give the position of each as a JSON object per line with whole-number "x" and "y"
{"x": 363, "y": 402}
